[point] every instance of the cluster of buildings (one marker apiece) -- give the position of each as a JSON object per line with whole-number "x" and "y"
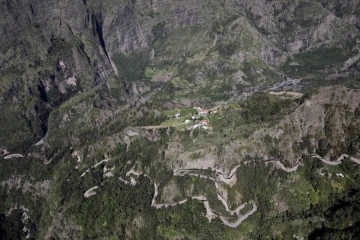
{"x": 202, "y": 113}
{"x": 201, "y": 124}
{"x": 199, "y": 120}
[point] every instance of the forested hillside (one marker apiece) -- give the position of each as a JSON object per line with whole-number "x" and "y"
{"x": 191, "y": 119}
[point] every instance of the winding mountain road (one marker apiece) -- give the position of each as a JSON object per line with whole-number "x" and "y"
{"x": 241, "y": 218}
{"x": 220, "y": 179}
{"x": 90, "y": 192}
{"x": 338, "y": 161}
{"x": 14, "y": 156}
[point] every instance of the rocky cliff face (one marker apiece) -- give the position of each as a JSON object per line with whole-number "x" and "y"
{"x": 327, "y": 124}
{"x": 40, "y": 188}
{"x": 85, "y": 76}
{"x": 105, "y": 30}
{"x": 50, "y": 51}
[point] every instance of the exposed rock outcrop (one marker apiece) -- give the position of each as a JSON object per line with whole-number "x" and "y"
{"x": 40, "y": 188}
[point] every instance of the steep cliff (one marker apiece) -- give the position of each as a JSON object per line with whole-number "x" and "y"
{"x": 91, "y": 89}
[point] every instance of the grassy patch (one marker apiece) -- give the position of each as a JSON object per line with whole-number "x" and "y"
{"x": 132, "y": 67}
{"x": 17, "y": 134}
{"x": 187, "y": 112}
{"x": 327, "y": 56}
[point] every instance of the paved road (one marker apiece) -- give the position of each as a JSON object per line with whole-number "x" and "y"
{"x": 13, "y": 156}
{"x": 90, "y": 192}
{"x": 229, "y": 180}
{"x": 338, "y": 161}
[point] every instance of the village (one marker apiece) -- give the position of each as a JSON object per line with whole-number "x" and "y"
{"x": 191, "y": 118}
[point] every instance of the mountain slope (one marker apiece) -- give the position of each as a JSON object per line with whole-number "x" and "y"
{"x": 239, "y": 111}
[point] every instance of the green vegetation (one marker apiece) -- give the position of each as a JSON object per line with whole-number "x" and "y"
{"x": 187, "y": 221}
{"x": 308, "y": 14}
{"x": 187, "y": 112}
{"x": 261, "y": 108}
{"x": 30, "y": 167}
{"x": 132, "y": 67}
{"x": 203, "y": 53}
{"x": 323, "y": 58}
{"x": 17, "y": 133}
{"x": 125, "y": 212}
{"x": 11, "y": 226}
{"x": 316, "y": 82}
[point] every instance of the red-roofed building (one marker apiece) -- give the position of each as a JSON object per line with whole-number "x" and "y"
{"x": 204, "y": 112}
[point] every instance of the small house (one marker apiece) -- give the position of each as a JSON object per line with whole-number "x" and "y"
{"x": 195, "y": 117}
{"x": 204, "y": 112}
{"x": 339, "y": 175}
